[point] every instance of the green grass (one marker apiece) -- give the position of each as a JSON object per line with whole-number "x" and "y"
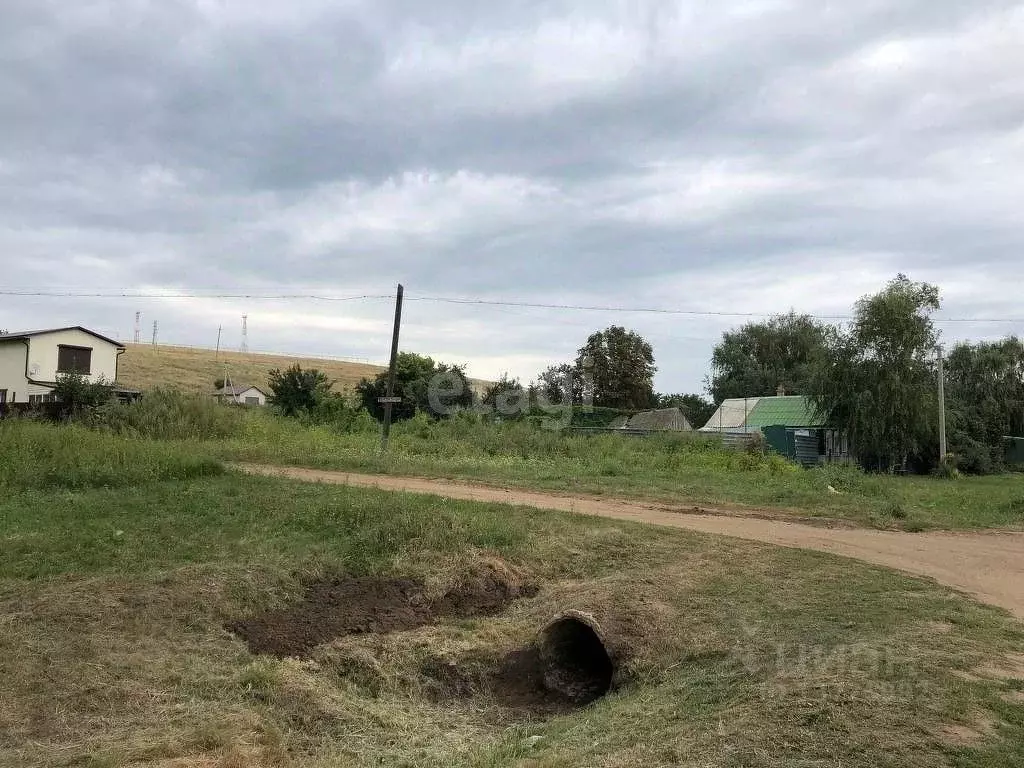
{"x": 684, "y": 469}
{"x": 113, "y": 652}
{"x": 41, "y": 456}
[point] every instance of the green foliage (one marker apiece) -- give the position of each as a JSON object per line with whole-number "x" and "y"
{"x": 617, "y": 369}
{"x": 506, "y": 398}
{"x": 40, "y": 456}
{"x": 166, "y": 414}
{"x": 984, "y": 402}
{"x": 425, "y": 386}
{"x": 696, "y": 408}
{"x": 295, "y": 390}
{"x": 599, "y": 418}
{"x": 76, "y": 394}
{"x": 557, "y": 385}
{"x": 757, "y": 359}
{"x": 877, "y": 380}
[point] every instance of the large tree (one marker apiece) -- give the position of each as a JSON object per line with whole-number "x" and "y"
{"x": 424, "y": 385}
{"x": 617, "y": 369}
{"x": 985, "y": 401}
{"x": 877, "y": 381}
{"x": 759, "y": 358}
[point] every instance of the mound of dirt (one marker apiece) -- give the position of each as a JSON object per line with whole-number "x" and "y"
{"x": 348, "y": 605}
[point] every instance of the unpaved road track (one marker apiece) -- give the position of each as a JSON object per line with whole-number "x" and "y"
{"x": 988, "y": 565}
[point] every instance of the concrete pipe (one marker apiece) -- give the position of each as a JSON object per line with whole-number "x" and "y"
{"x": 575, "y": 657}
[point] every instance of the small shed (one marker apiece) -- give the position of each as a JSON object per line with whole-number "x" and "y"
{"x": 790, "y": 425}
{"x": 244, "y": 394}
{"x": 663, "y": 420}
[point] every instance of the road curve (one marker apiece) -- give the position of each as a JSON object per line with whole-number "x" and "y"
{"x": 988, "y": 565}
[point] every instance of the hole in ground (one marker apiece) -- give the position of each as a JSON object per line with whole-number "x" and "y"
{"x": 574, "y": 659}
{"x": 515, "y": 681}
{"x": 351, "y": 605}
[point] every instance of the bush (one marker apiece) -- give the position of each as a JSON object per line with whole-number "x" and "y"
{"x": 76, "y": 394}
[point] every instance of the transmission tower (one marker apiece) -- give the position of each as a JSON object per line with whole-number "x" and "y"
{"x": 245, "y": 333}
{"x": 138, "y": 326}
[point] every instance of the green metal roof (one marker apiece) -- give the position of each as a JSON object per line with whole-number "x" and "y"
{"x": 793, "y": 411}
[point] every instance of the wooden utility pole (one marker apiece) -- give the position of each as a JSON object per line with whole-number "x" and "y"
{"x": 220, "y": 330}
{"x": 942, "y": 408}
{"x": 390, "y": 399}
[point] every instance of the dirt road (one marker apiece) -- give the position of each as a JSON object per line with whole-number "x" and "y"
{"x": 988, "y": 565}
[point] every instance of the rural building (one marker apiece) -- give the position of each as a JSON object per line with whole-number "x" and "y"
{"x": 663, "y": 420}
{"x": 32, "y": 361}
{"x": 242, "y": 395}
{"x": 790, "y": 425}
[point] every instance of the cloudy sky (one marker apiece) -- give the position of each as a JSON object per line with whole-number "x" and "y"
{"x": 704, "y": 157}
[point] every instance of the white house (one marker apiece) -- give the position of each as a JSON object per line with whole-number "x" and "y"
{"x": 31, "y": 361}
{"x": 242, "y": 395}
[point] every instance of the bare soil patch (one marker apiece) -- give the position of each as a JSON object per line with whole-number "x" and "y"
{"x": 515, "y": 682}
{"x": 347, "y": 605}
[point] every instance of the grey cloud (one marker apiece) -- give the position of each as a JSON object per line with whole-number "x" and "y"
{"x": 465, "y": 149}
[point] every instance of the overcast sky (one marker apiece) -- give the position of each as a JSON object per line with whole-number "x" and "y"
{"x": 725, "y": 157}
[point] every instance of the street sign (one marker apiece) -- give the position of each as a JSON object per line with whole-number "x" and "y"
{"x": 392, "y": 400}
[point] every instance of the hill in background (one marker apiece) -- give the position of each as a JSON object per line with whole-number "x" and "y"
{"x": 144, "y": 366}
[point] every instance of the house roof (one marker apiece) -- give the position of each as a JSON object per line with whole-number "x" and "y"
{"x": 759, "y": 412}
{"x": 238, "y": 389}
{"x": 666, "y": 419}
{"x": 42, "y": 332}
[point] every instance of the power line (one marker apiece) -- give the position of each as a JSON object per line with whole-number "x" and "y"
{"x": 464, "y": 302}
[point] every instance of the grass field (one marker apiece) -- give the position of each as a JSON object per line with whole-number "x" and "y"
{"x": 677, "y": 469}
{"x": 145, "y": 367}
{"x": 125, "y": 559}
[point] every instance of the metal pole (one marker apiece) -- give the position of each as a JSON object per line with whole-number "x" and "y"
{"x": 386, "y": 431}
{"x": 942, "y": 408}
{"x": 220, "y": 330}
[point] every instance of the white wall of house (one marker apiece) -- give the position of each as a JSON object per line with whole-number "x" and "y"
{"x": 12, "y": 371}
{"x": 43, "y": 350}
{"x": 252, "y": 396}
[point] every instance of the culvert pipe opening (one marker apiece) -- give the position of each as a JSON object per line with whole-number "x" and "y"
{"x": 575, "y": 661}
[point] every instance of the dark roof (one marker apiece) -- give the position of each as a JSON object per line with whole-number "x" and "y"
{"x": 28, "y": 334}
{"x": 238, "y": 389}
{"x": 664, "y": 420}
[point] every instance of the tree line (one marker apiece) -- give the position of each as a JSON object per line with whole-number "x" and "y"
{"x": 875, "y": 378}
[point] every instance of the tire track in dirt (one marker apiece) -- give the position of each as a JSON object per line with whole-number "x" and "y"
{"x": 988, "y": 565}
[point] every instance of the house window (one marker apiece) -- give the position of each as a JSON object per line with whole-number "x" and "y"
{"x": 74, "y": 359}
{"x": 252, "y": 401}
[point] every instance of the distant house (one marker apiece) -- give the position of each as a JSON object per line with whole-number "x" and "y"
{"x": 242, "y": 395}
{"x": 663, "y": 420}
{"x": 32, "y": 361}
{"x": 790, "y": 425}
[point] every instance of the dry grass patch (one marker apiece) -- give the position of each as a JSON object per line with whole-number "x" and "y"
{"x": 194, "y": 370}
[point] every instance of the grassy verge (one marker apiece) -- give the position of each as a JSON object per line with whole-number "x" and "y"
{"x": 675, "y": 469}
{"x": 113, "y": 651}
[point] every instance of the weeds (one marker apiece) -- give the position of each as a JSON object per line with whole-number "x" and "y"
{"x": 35, "y": 455}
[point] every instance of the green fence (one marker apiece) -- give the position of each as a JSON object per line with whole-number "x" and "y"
{"x": 1015, "y": 451}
